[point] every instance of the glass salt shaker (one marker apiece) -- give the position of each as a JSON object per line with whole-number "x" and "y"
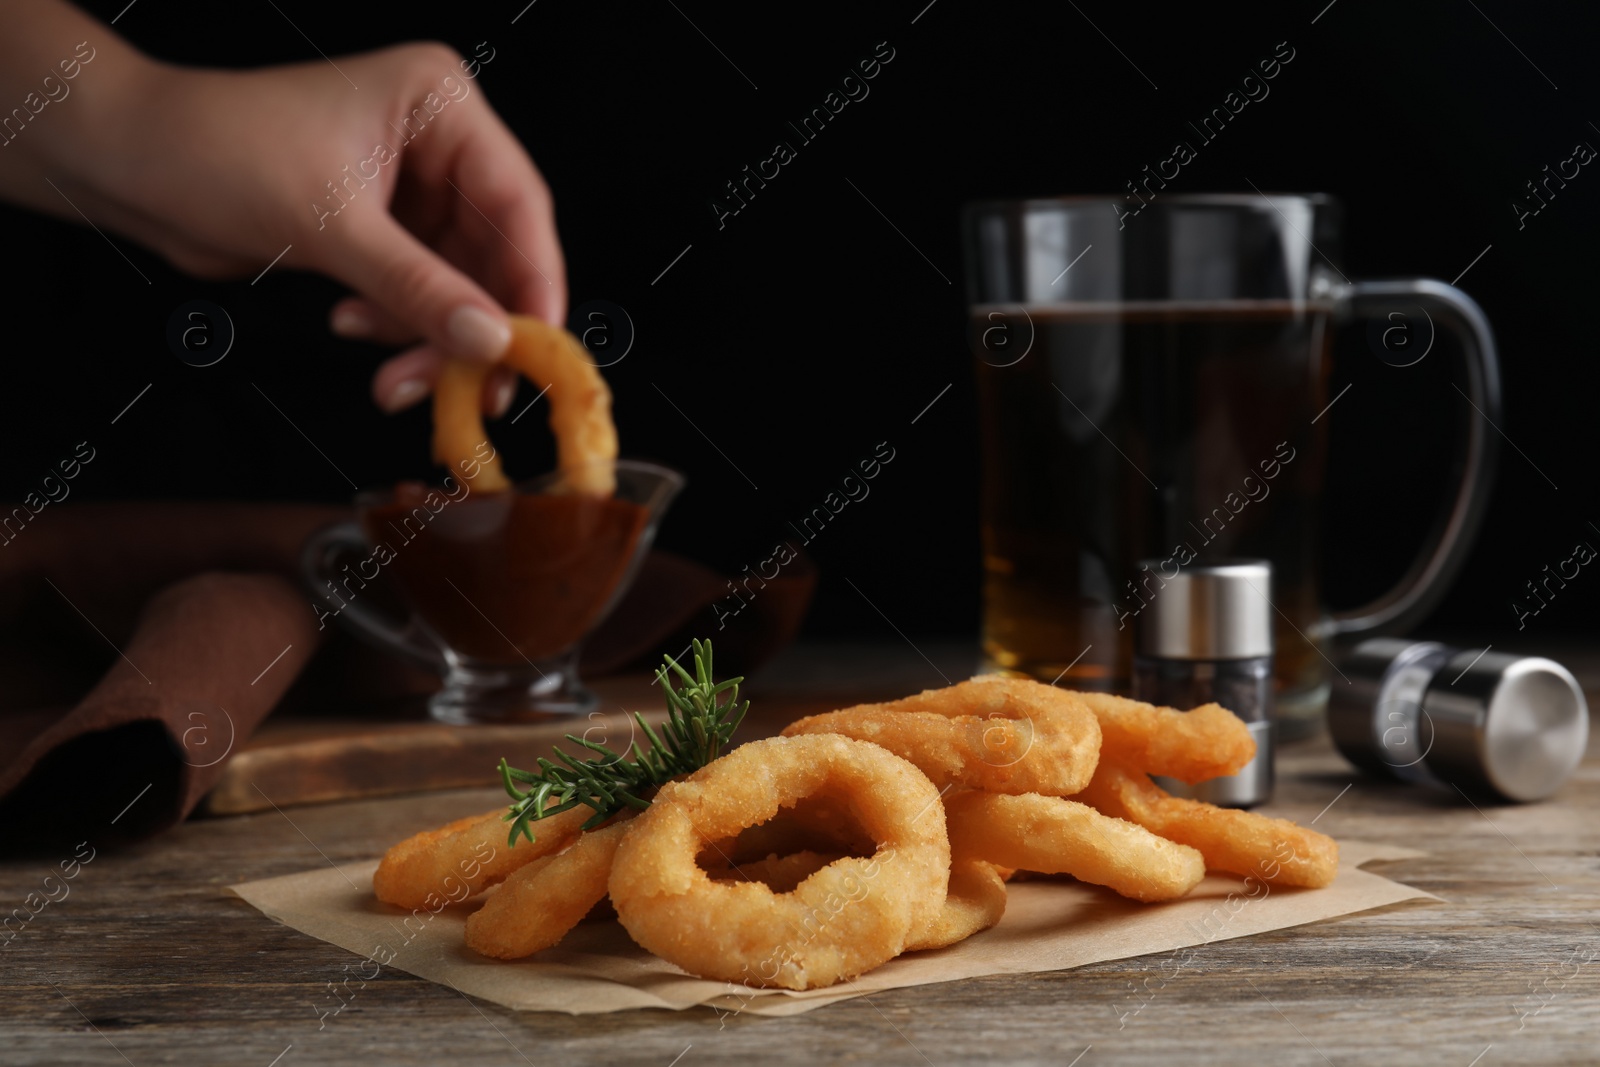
{"x": 1204, "y": 636}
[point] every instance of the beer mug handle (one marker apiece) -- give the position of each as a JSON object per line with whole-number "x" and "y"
{"x": 1429, "y": 577}
{"x": 357, "y": 614}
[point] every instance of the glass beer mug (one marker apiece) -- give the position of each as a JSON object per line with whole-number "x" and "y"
{"x": 1156, "y": 386}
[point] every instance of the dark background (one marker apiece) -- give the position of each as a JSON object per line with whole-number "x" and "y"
{"x": 808, "y": 330}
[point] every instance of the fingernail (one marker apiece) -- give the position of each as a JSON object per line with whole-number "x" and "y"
{"x": 405, "y": 394}
{"x": 504, "y": 393}
{"x": 352, "y": 322}
{"x": 476, "y": 334}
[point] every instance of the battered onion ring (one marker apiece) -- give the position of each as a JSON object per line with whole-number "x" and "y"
{"x": 580, "y": 411}
{"x": 1240, "y": 842}
{"x": 1191, "y": 746}
{"x": 1055, "y": 836}
{"x": 540, "y": 903}
{"x": 470, "y": 852}
{"x": 849, "y": 917}
{"x": 976, "y": 901}
{"x": 1002, "y": 735}
{"x": 819, "y": 823}
{"x": 781, "y": 874}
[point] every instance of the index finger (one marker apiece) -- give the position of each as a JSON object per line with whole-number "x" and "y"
{"x": 503, "y": 186}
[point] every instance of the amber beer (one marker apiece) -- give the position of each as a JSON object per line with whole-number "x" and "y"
{"x": 1178, "y": 431}
{"x": 1153, "y": 387}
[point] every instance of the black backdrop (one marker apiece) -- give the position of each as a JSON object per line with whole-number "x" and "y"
{"x": 808, "y": 330}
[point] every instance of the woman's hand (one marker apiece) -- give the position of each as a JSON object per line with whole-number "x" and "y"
{"x": 389, "y": 172}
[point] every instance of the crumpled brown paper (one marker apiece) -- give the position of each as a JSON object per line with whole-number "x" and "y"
{"x": 1048, "y": 926}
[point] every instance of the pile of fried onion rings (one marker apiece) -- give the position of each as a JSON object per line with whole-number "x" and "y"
{"x": 806, "y": 859}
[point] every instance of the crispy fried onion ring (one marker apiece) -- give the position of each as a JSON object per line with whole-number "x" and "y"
{"x": 580, "y": 411}
{"x": 1055, "y": 836}
{"x": 1002, "y": 735}
{"x": 848, "y": 917}
{"x": 1240, "y": 842}
{"x": 817, "y": 823}
{"x": 541, "y": 902}
{"x": 781, "y": 874}
{"x": 1191, "y": 746}
{"x": 466, "y": 857}
{"x": 976, "y": 901}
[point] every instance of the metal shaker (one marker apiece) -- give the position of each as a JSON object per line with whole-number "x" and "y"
{"x": 1491, "y": 724}
{"x": 1206, "y": 636}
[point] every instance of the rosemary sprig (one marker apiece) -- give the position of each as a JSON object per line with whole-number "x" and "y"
{"x": 701, "y": 717}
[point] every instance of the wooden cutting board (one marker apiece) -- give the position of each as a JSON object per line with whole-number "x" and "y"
{"x": 392, "y": 750}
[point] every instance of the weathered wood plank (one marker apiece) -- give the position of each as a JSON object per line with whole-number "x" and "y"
{"x": 149, "y": 950}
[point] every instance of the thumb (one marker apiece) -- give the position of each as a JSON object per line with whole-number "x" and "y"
{"x": 388, "y": 265}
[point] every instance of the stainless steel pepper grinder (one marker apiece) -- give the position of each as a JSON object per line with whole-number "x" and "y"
{"x": 1491, "y": 724}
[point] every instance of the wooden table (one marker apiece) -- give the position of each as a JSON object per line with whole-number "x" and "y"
{"x": 148, "y": 961}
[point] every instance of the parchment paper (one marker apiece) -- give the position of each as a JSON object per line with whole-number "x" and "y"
{"x": 1048, "y": 926}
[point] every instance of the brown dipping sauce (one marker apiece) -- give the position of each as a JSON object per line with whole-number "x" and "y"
{"x": 531, "y": 573}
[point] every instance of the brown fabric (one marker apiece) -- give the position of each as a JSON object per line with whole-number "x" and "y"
{"x": 82, "y": 568}
{"x": 196, "y": 678}
{"x": 152, "y": 595}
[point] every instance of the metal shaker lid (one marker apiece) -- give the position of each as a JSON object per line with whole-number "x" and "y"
{"x": 1488, "y": 723}
{"x": 1512, "y": 725}
{"x": 1207, "y": 611}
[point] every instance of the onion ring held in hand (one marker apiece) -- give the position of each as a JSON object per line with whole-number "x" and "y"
{"x": 541, "y": 902}
{"x": 470, "y": 853}
{"x": 1191, "y": 746}
{"x": 998, "y": 734}
{"x": 580, "y": 411}
{"x": 846, "y": 918}
{"x": 1055, "y": 836}
{"x": 1239, "y": 842}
